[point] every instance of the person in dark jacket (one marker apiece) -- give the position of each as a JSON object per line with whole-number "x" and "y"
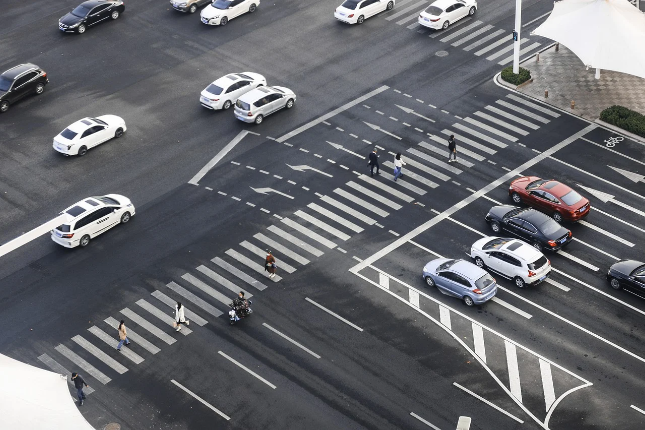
{"x": 79, "y": 382}
{"x": 373, "y": 163}
{"x": 452, "y": 148}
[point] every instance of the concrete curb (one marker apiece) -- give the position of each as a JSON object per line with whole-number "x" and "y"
{"x": 620, "y": 130}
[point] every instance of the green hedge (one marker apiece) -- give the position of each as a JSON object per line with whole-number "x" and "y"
{"x": 512, "y": 78}
{"x": 624, "y": 118}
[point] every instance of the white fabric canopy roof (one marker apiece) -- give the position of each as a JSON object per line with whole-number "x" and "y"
{"x": 35, "y": 399}
{"x": 604, "y": 34}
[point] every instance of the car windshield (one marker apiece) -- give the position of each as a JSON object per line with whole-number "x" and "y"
{"x": 639, "y": 271}
{"x": 68, "y": 134}
{"x": 549, "y": 227}
{"x": 536, "y": 184}
{"x": 514, "y": 212}
{"x": 571, "y": 198}
{"x": 81, "y": 11}
{"x": 434, "y": 10}
{"x": 484, "y": 281}
{"x": 350, "y": 4}
{"x": 496, "y": 243}
{"x": 446, "y": 265}
{"x": 538, "y": 263}
{"x": 5, "y": 83}
{"x": 107, "y": 200}
{"x": 214, "y": 89}
{"x": 99, "y": 121}
{"x": 222, "y": 4}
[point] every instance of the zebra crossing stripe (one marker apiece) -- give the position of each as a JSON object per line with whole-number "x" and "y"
{"x": 251, "y": 264}
{"x": 262, "y": 254}
{"x": 207, "y": 307}
{"x": 522, "y": 52}
{"x": 281, "y": 249}
{"x": 533, "y": 105}
{"x": 492, "y": 46}
{"x": 361, "y": 202}
{"x": 466, "y": 140}
{"x": 403, "y": 183}
{"x": 460, "y": 32}
{"x": 294, "y": 240}
{"x": 444, "y": 316}
{"x": 472, "y": 35}
{"x": 502, "y": 123}
{"x": 426, "y": 169}
{"x": 339, "y": 219}
{"x": 80, "y": 362}
{"x": 237, "y": 272}
{"x": 434, "y": 161}
{"x": 414, "y": 15}
{"x": 504, "y": 50}
{"x": 452, "y": 27}
{"x": 483, "y": 40}
{"x": 387, "y": 188}
{"x": 478, "y": 338}
{"x": 513, "y": 370}
{"x": 348, "y": 210}
{"x": 309, "y": 233}
{"x": 411, "y": 175}
{"x": 111, "y": 341}
{"x": 524, "y": 112}
{"x": 512, "y": 117}
{"x": 132, "y": 335}
{"x": 547, "y": 384}
{"x": 443, "y": 153}
{"x": 375, "y": 196}
{"x": 322, "y": 225}
{"x": 167, "y": 319}
{"x": 482, "y": 136}
{"x": 207, "y": 289}
{"x": 490, "y": 129}
{"x": 406, "y": 10}
{"x": 190, "y": 315}
{"x": 96, "y": 352}
{"x": 225, "y": 282}
{"x": 58, "y": 368}
{"x": 148, "y": 326}
{"x": 461, "y": 150}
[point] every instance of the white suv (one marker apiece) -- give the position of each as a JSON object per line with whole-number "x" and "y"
{"x": 263, "y": 101}
{"x": 512, "y": 259}
{"x": 91, "y": 217}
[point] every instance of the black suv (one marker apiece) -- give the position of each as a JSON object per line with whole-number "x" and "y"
{"x": 19, "y": 82}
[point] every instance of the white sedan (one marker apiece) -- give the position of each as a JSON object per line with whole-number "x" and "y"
{"x": 87, "y": 133}
{"x": 224, "y": 92}
{"x": 357, "y": 11}
{"x": 220, "y": 12}
{"x": 442, "y": 13}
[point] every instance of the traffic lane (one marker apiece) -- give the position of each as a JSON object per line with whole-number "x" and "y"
{"x": 623, "y": 145}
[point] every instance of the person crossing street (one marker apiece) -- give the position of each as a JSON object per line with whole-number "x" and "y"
{"x": 269, "y": 265}
{"x": 373, "y": 162}
{"x": 452, "y": 149}
{"x": 398, "y": 166}
{"x": 123, "y": 336}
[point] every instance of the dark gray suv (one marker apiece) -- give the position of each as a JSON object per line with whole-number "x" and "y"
{"x": 19, "y": 82}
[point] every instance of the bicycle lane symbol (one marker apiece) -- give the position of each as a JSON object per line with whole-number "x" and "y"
{"x": 612, "y": 141}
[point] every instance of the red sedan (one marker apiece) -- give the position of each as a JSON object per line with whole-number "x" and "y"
{"x": 549, "y": 196}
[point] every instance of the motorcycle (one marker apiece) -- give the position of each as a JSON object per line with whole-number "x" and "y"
{"x": 238, "y": 312}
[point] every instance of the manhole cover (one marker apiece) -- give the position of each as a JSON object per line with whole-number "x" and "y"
{"x": 112, "y": 426}
{"x": 441, "y": 53}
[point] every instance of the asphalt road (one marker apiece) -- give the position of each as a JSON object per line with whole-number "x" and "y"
{"x": 561, "y": 355}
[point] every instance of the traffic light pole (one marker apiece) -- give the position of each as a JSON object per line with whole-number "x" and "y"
{"x": 516, "y": 36}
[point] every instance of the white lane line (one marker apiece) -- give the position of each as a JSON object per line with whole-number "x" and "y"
{"x": 557, "y": 284}
{"x": 533, "y": 105}
{"x": 195, "y": 180}
{"x": 461, "y": 31}
{"x": 637, "y": 409}
{"x": 472, "y": 36}
{"x": 261, "y": 253}
{"x": 134, "y": 336}
{"x": 424, "y": 421}
{"x": 206, "y": 288}
{"x": 96, "y": 352}
{"x": 80, "y": 362}
{"x": 536, "y": 19}
{"x": 478, "y": 339}
{"x": 614, "y": 151}
{"x": 307, "y": 232}
{"x": 237, "y": 272}
{"x": 142, "y": 322}
{"x": 294, "y": 240}
{"x": 291, "y": 340}
{"x": 425, "y": 249}
{"x": 339, "y": 219}
{"x": 444, "y": 316}
{"x": 32, "y": 234}
{"x": 488, "y": 403}
{"x": 394, "y": 233}
{"x": 605, "y": 232}
{"x": 501, "y": 123}
{"x": 547, "y": 384}
{"x": 58, "y": 368}
{"x": 513, "y": 370}
{"x": 444, "y": 153}
{"x": 466, "y": 226}
{"x": 240, "y": 365}
{"x": 113, "y": 342}
{"x": 375, "y": 196}
{"x": 207, "y": 307}
{"x": 202, "y": 401}
{"x": 618, "y": 219}
{"x": 348, "y": 210}
{"x": 491, "y": 129}
{"x": 482, "y": 136}
{"x": 483, "y": 40}
{"x": 386, "y": 188}
{"x": 596, "y": 249}
{"x": 463, "y": 139}
{"x": 511, "y": 307}
{"x": 434, "y": 161}
{"x": 578, "y": 260}
{"x": 168, "y": 319}
{"x": 462, "y": 150}
{"x": 331, "y": 114}
{"x": 384, "y": 281}
{"x": 414, "y": 298}
{"x": 190, "y": 315}
{"x": 524, "y": 112}
{"x": 322, "y": 225}
{"x": 333, "y": 314}
{"x": 281, "y": 249}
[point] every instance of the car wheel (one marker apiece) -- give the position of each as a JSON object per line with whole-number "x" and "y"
{"x": 85, "y": 240}
{"x": 519, "y": 282}
{"x": 430, "y": 281}
{"x": 227, "y": 105}
{"x": 4, "y": 106}
{"x": 444, "y": 26}
{"x": 472, "y": 11}
{"x": 259, "y": 119}
{"x": 193, "y": 8}
{"x": 557, "y": 217}
{"x": 479, "y": 262}
{"x": 252, "y": 8}
{"x": 82, "y": 150}
{"x": 468, "y": 301}
{"x": 390, "y": 5}
{"x": 495, "y": 226}
{"x": 360, "y": 19}
{"x": 223, "y": 21}
{"x": 81, "y": 29}
{"x": 125, "y": 217}
{"x": 516, "y": 198}
{"x": 118, "y": 133}
{"x": 115, "y": 14}
{"x": 537, "y": 245}
{"x": 615, "y": 284}
{"x": 40, "y": 88}
{"x": 290, "y": 103}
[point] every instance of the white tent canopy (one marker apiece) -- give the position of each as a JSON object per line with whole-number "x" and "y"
{"x": 35, "y": 399}
{"x": 604, "y": 34}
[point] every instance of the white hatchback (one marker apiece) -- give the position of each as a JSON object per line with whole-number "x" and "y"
{"x": 442, "y": 13}
{"x": 261, "y": 102}
{"x": 224, "y": 92}
{"x": 87, "y": 133}
{"x": 512, "y": 259}
{"x": 90, "y": 217}
{"x": 220, "y": 12}
{"x": 357, "y": 11}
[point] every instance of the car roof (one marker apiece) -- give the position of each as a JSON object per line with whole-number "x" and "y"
{"x": 532, "y": 216}
{"x": 258, "y": 93}
{"x": 19, "y": 69}
{"x": 467, "y": 269}
{"x": 92, "y": 3}
{"x": 557, "y": 190}
{"x": 522, "y": 250}
{"x": 81, "y": 208}
{"x": 82, "y": 125}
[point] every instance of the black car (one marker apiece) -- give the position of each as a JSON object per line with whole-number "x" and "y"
{"x": 90, "y": 13}
{"x": 627, "y": 273}
{"x": 20, "y": 81}
{"x": 531, "y": 226}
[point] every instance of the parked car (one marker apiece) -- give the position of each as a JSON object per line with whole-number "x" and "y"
{"x": 188, "y": 5}
{"x": 442, "y": 13}
{"x": 261, "y": 102}
{"x": 461, "y": 279}
{"x": 91, "y": 217}
{"x": 628, "y": 274}
{"x": 220, "y": 12}
{"x": 90, "y": 13}
{"x": 357, "y": 11}
{"x": 87, "y": 133}
{"x": 529, "y": 225}
{"x": 512, "y": 259}
{"x": 20, "y": 81}
{"x": 224, "y": 92}
{"x": 549, "y": 196}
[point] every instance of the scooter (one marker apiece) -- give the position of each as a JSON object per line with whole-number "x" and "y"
{"x": 234, "y": 315}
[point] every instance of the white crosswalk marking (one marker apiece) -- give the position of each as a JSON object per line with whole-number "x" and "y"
{"x": 414, "y": 297}
{"x": 113, "y": 342}
{"x": 478, "y": 338}
{"x": 443, "y": 153}
{"x": 251, "y": 264}
{"x": 547, "y": 384}
{"x": 294, "y": 240}
{"x": 403, "y": 182}
{"x": 606, "y": 233}
{"x": 207, "y": 289}
{"x": 58, "y": 368}
{"x": 414, "y": 15}
{"x": 463, "y": 139}
{"x": 513, "y": 370}
{"x": 351, "y": 197}
{"x": 262, "y": 254}
{"x": 444, "y": 316}
{"x": 414, "y": 25}
{"x": 533, "y": 105}
{"x": 411, "y": 175}
{"x": 163, "y": 316}
{"x": 96, "y": 352}
{"x": 504, "y": 50}
{"x": 190, "y": 315}
{"x": 142, "y": 322}
{"x": 482, "y": 136}
{"x": 348, "y": 210}
{"x": 461, "y": 150}
{"x": 493, "y": 46}
{"x": 426, "y": 169}
{"x": 134, "y": 336}
{"x": 461, "y": 31}
{"x": 490, "y": 129}
{"x": 307, "y": 232}
{"x": 472, "y": 35}
{"x": 280, "y": 248}
{"x": 405, "y": 10}
{"x": 524, "y": 112}
{"x": 512, "y": 117}
{"x": 522, "y": 52}
{"x": 386, "y": 188}
{"x": 339, "y": 219}
{"x": 483, "y": 40}
{"x": 322, "y": 225}
{"x": 225, "y": 282}
{"x": 80, "y": 362}
{"x": 452, "y": 27}
{"x": 383, "y": 280}
{"x": 434, "y": 161}
{"x": 207, "y": 307}
{"x": 238, "y": 273}
{"x": 375, "y": 196}
{"x": 502, "y": 123}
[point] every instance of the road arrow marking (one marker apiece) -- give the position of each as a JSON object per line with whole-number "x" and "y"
{"x": 270, "y": 190}
{"x": 408, "y": 110}
{"x": 337, "y": 146}
{"x": 303, "y": 168}
{"x": 377, "y": 128}
{"x": 606, "y": 197}
{"x": 635, "y": 177}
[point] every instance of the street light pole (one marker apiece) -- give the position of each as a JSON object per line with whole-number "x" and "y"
{"x": 516, "y": 43}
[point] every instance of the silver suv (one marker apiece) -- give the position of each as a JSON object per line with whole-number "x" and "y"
{"x": 263, "y": 101}
{"x": 461, "y": 279}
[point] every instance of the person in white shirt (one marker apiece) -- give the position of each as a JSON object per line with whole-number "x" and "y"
{"x": 398, "y": 166}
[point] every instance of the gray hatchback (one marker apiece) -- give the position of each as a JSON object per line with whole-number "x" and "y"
{"x": 462, "y": 279}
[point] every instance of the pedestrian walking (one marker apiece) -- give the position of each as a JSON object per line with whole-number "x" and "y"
{"x": 398, "y": 166}
{"x": 123, "y": 336}
{"x": 79, "y": 382}
{"x": 452, "y": 148}
{"x": 179, "y": 317}
{"x": 269, "y": 265}
{"x": 373, "y": 162}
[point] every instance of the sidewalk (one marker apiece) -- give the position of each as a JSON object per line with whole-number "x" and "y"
{"x": 564, "y": 76}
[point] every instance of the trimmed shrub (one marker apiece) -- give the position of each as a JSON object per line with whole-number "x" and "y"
{"x": 624, "y": 118}
{"x": 512, "y": 78}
